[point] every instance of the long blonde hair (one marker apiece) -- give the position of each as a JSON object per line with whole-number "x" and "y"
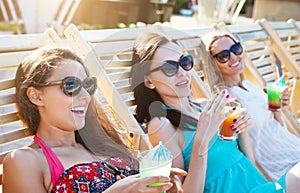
{"x": 209, "y": 39}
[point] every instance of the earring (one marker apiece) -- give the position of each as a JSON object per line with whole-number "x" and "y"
{"x": 33, "y": 96}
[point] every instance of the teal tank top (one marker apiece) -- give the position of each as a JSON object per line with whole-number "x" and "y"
{"x": 229, "y": 170}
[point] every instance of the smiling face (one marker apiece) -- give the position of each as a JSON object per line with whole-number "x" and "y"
{"x": 58, "y": 110}
{"x": 231, "y": 69}
{"x": 168, "y": 86}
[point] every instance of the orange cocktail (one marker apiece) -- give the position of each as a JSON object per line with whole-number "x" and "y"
{"x": 226, "y": 131}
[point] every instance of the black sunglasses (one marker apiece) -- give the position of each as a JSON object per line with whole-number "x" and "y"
{"x": 170, "y": 67}
{"x": 72, "y": 85}
{"x": 224, "y": 55}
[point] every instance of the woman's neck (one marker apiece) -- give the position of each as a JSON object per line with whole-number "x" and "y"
{"x": 56, "y": 137}
{"x": 231, "y": 81}
{"x": 181, "y": 104}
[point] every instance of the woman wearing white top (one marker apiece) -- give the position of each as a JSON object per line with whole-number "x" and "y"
{"x": 275, "y": 148}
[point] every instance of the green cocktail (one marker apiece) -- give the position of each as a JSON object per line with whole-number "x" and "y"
{"x": 274, "y": 92}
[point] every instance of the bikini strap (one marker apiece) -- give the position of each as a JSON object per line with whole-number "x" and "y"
{"x": 56, "y": 167}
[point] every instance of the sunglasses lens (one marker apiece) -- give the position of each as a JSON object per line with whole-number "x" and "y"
{"x": 170, "y": 68}
{"x": 187, "y": 62}
{"x": 71, "y": 86}
{"x": 90, "y": 85}
{"x": 223, "y": 56}
{"x": 237, "y": 49}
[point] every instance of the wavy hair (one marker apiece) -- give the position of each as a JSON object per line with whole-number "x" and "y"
{"x": 35, "y": 70}
{"x": 149, "y": 102}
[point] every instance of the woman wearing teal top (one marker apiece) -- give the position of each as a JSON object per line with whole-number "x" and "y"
{"x": 160, "y": 79}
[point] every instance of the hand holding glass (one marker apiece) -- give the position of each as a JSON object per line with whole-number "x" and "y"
{"x": 227, "y": 130}
{"x": 156, "y": 162}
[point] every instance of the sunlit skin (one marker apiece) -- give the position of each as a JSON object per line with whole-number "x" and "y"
{"x": 174, "y": 92}
{"x": 57, "y": 127}
{"x": 177, "y": 85}
{"x": 59, "y": 105}
{"x": 231, "y": 70}
{"x": 61, "y": 115}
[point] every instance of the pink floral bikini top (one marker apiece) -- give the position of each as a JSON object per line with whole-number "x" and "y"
{"x": 84, "y": 177}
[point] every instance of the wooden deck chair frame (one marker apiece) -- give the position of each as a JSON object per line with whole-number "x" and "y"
{"x": 12, "y": 14}
{"x": 115, "y": 42}
{"x": 64, "y": 14}
{"x": 229, "y": 10}
{"x": 285, "y": 38}
{"x": 255, "y": 32}
{"x": 135, "y": 138}
{"x": 4, "y": 11}
{"x": 13, "y": 49}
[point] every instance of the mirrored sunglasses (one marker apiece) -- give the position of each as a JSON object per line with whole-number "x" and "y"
{"x": 224, "y": 55}
{"x": 71, "y": 85}
{"x": 170, "y": 67}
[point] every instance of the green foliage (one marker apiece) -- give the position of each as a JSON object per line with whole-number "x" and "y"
{"x": 123, "y": 25}
{"x": 12, "y": 27}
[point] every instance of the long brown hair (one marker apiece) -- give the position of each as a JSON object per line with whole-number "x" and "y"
{"x": 149, "y": 102}
{"x": 35, "y": 70}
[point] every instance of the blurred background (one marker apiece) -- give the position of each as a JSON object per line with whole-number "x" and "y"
{"x": 34, "y": 16}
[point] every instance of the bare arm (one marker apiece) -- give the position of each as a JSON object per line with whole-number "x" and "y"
{"x": 242, "y": 125}
{"x": 209, "y": 121}
{"x": 21, "y": 173}
{"x": 246, "y": 147}
{"x": 160, "y": 129}
{"x": 278, "y": 117}
{"x": 137, "y": 184}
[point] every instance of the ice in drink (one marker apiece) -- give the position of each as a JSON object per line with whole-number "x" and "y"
{"x": 156, "y": 162}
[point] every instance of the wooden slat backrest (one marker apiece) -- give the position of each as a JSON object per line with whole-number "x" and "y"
{"x": 10, "y": 11}
{"x": 260, "y": 62}
{"x": 13, "y": 49}
{"x": 289, "y": 35}
{"x": 285, "y": 38}
{"x": 109, "y": 55}
{"x": 64, "y": 14}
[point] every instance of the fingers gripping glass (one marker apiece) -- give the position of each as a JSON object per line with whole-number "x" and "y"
{"x": 224, "y": 55}
{"x": 71, "y": 85}
{"x": 170, "y": 67}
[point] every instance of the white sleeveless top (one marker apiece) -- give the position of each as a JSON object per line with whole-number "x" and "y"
{"x": 275, "y": 148}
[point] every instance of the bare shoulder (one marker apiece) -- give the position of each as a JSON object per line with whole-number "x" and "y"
{"x": 22, "y": 159}
{"x": 160, "y": 125}
{"x": 29, "y": 166}
{"x": 161, "y": 129}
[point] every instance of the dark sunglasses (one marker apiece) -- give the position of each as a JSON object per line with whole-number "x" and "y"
{"x": 170, "y": 67}
{"x": 71, "y": 85}
{"x": 224, "y": 55}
